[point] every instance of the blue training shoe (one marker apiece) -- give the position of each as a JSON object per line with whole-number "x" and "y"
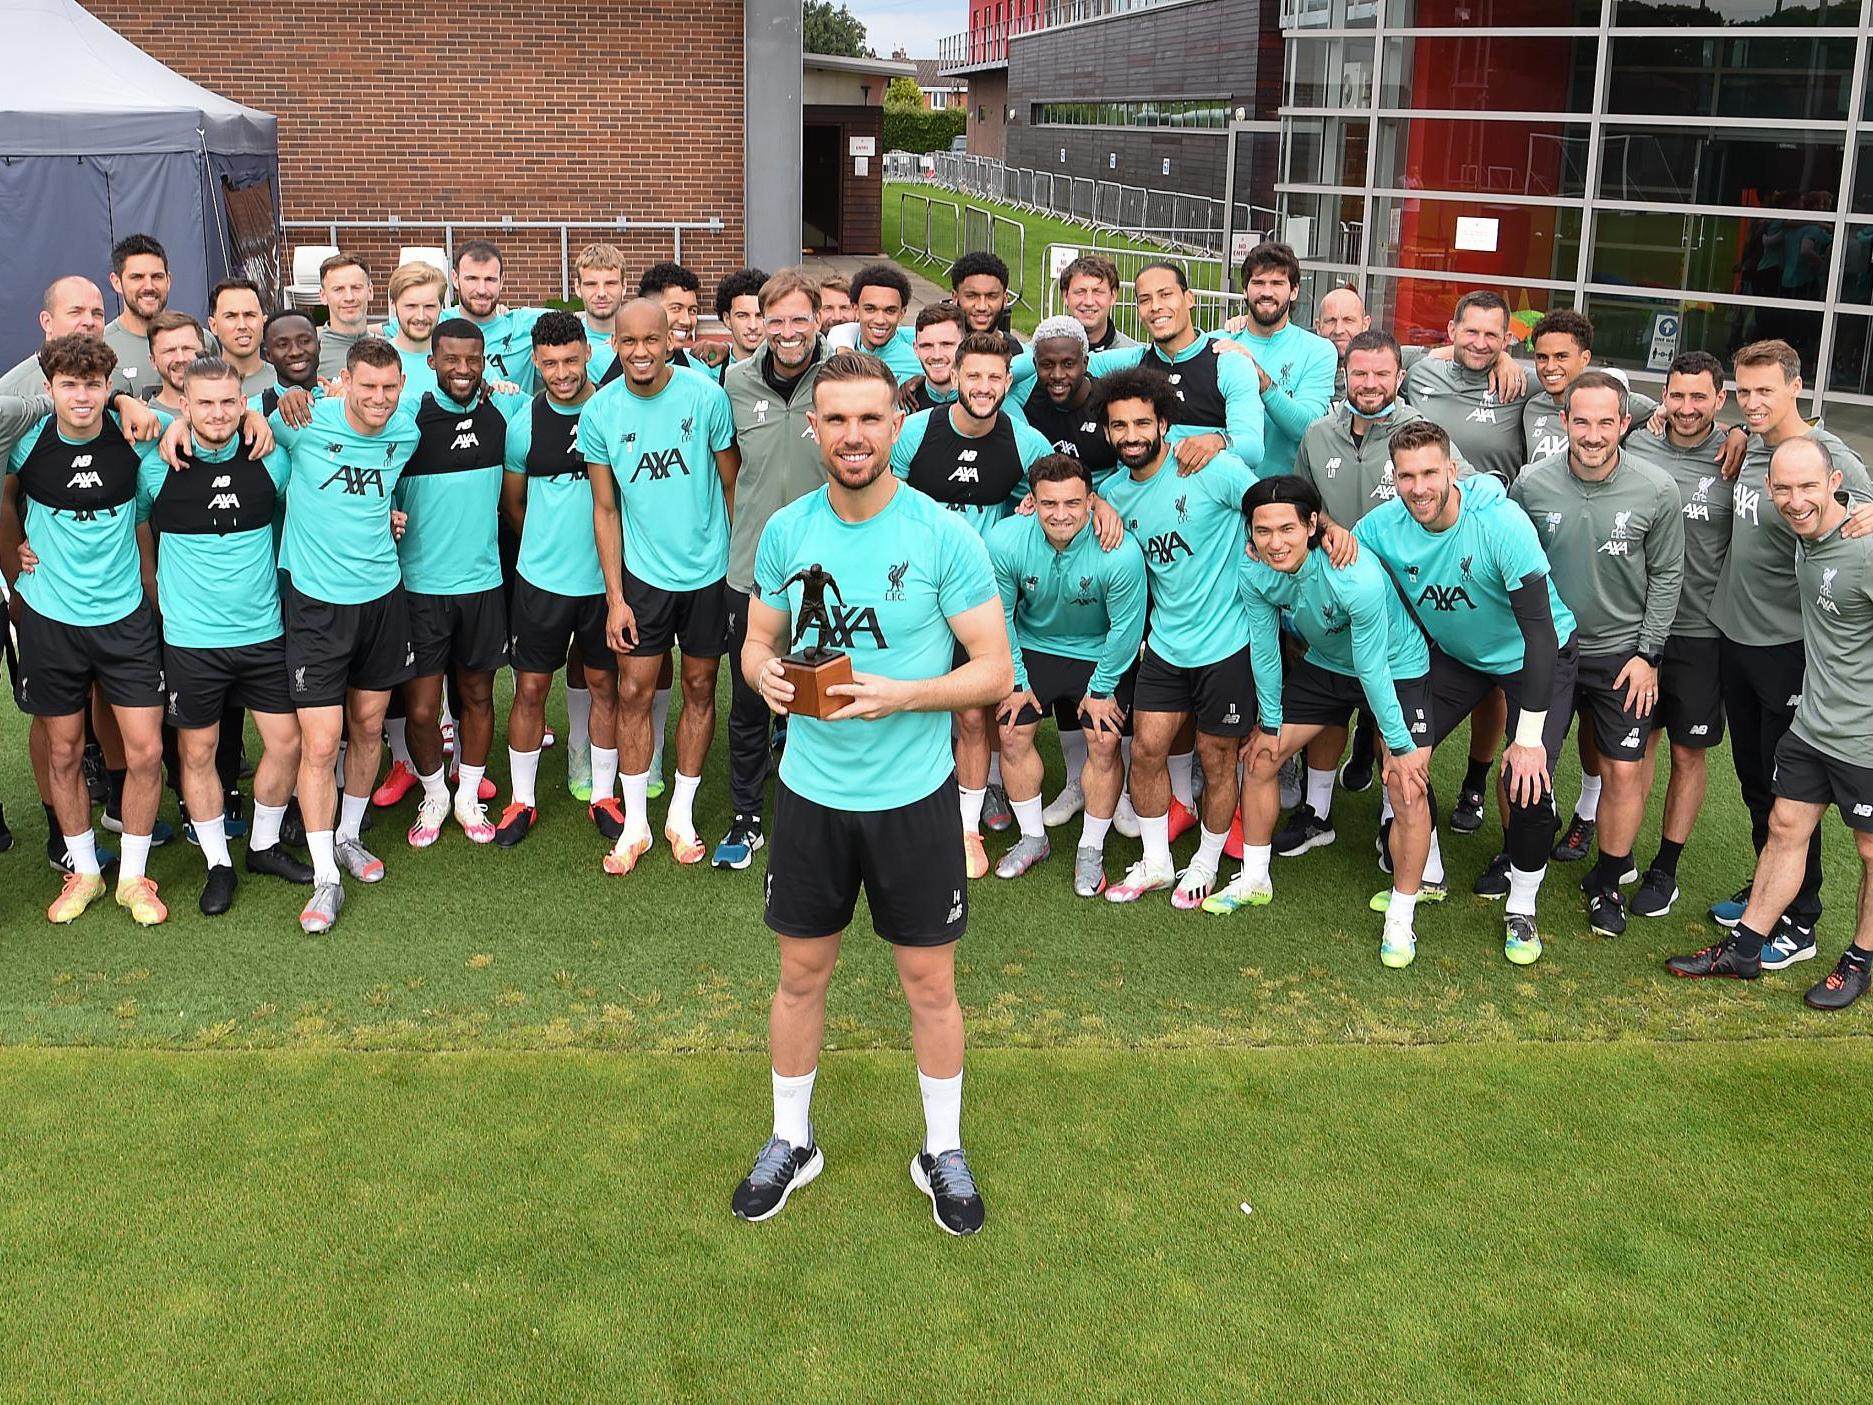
{"x": 1729, "y": 912}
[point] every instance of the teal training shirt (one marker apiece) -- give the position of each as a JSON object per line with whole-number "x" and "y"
{"x": 507, "y": 342}
{"x": 1191, "y": 529}
{"x": 1302, "y": 366}
{"x": 78, "y": 503}
{"x": 419, "y": 377}
{"x": 1457, "y": 582}
{"x": 1076, "y": 601}
{"x": 217, "y": 561}
{"x": 661, "y": 451}
{"x": 902, "y": 575}
{"x": 602, "y": 356}
{"x": 558, "y": 551}
{"x": 1354, "y": 624}
{"x": 337, "y": 546}
{"x": 451, "y": 489}
{"x": 983, "y": 478}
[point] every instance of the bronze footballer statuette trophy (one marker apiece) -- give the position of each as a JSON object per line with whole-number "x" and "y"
{"x": 817, "y": 667}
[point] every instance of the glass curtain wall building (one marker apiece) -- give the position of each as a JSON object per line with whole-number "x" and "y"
{"x": 1688, "y": 174}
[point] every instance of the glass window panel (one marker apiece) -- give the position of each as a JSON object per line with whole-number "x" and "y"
{"x": 1856, "y": 272}
{"x": 1707, "y": 14}
{"x": 1530, "y": 241}
{"x": 1418, "y": 309}
{"x": 1326, "y": 151}
{"x": 1325, "y": 227}
{"x": 1712, "y": 76}
{"x": 1308, "y": 61}
{"x": 1774, "y": 256}
{"x": 1473, "y": 154}
{"x": 1490, "y": 73}
{"x": 1778, "y": 166}
{"x": 1863, "y": 175}
{"x": 1622, "y": 328}
{"x": 1851, "y": 370}
{"x": 1518, "y": 14}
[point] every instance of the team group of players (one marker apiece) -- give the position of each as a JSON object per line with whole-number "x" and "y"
{"x": 1205, "y": 556}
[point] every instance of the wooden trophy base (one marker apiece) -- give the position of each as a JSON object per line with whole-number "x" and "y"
{"x": 812, "y": 672}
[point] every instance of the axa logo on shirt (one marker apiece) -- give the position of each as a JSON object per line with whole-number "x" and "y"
{"x": 356, "y": 482}
{"x": 1162, "y": 550}
{"x": 966, "y": 472}
{"x": 1824, "y": 600}
{"x": 658, "y": 463}
{"x": 849, "y": 621}
{"x": 1746, "y": 500}
{"x": 1445, "y": 598}
{"x": 1618, "y": 541}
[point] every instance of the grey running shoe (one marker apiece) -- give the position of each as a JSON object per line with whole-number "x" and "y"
{"x": 1025, "y": 854}
{"x": 1293, "y": 787}
{"x": 1064, "y": 806}
{"x": 321, "y": 911}
{"x": 997, "y": 814}
{"x": 359, "y": 861}
{"x": 1089, "y": 872}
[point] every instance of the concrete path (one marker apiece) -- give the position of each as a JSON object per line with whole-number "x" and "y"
{"x": 922, "y": 291}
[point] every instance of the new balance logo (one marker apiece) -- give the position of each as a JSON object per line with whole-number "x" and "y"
{"x": 81, "y": 461}
{"x": 1863, "y": 810}
{"x": 221, "y": 481}
{"x": 1090, "y": 427}
{"x": 1333, "y": 468}
{"x": 658, "y": 463}
{"x": 966, "y": 456}
{"x": 1632, "y": 739}
{"x": 1162, "y": 550}
{"x": 1794, "y": 700}
{"x": 956, "y": 906}
{"x": 760, "y": 411}
{"x": 1446, "y": 598}
{"x": 1232, "y": 715}
{"x": 1700, "y": 730}
{"x": 357, "y": 482}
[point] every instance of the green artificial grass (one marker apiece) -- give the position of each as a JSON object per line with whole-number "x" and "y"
{"x": 1537, "y": 1223}
{"x": 467, "y": 947}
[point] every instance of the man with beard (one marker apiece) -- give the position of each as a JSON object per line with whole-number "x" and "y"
{"x": 345, "y": 289}
{"x": 939, "y": 335}
{"x": 1088, "y": 288}
{"x": 344, "y": 608}
{"x": 1826, "y": 756}
{"x": 236, "y": 320}
{"x": 73, "y": 307}
{"x": 600, "y": 281}
{"x": 979, "y": 285}
{"x": 559, "y": 590}
{"x": 867, "y": 797}
{"x": 1757, "y": 611}
{"x": 1294, "y": 367}
{"x": 972, "y": 457}
{"x": 140, "y": 278}
{"x": 507, "y": 335}
{"x": 175, "y": 341}
{"x": 1472, "y": 570}
{"x": 417, "y": 291}
{"x": 659, "y": 445}
{"x": 1195, "y": 669}
{"x": 679, "y": 293}
{"x": 770, "y": 397}
{"x": 1058, "y": 402}
{"x": 1614, "y": 538}
{"x": 450, "y": 493}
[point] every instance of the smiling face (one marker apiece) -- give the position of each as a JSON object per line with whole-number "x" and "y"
{"x": 418, "y": 308}
{"x": 1769, "y": 400}
{"x": 855, "y": 422}
{"x": 1163, "y": 306}
{"x": 1280, "y": 534}
{"x": 478, "y": 286}
{"x": 642, "y": 341}
{"x": 143, "y": 285}
{"x": 744, "y": 324}
{"x": 371, "y": 399}
{"x": 171, "y": 353}
{"x": 681, "y": 309}
{"x": 291, "y": 346}
{"x": 1480, "y": 336}
{"x": 1059, "y": 368}
{"x": 1135, "y": 432}
{"x": 459, "y": 363}
{"x": 1558, "y": 359}
{"x": 1803, "y": 489}
{"x": 1427, "y": 481}
{"x": 835, "y": 306}
{"x": 1371, "y": 380}
{"x": 79, "y": 402}
{"x": 1089, "y": 298}
{"x": 1063, "y": 506}
{"x": 1594, "y": 428}
{"x": 982, "y": 297}
{"x": 236, "y": 322}
{"x": 1270, "y": 297}
{"x": 982, "y": 383}
{"x": 936, "y": 353}
{"x": 1692, "y": 404}
{"x": 790, "y": 326}
{"x": 880, "y": 309}
{"x": 562, "y": 369}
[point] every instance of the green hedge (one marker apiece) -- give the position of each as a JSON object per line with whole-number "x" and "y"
{"x": 919, "y": 129}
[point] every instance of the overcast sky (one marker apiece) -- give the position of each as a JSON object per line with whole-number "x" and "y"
{"x": 914, "y": 24}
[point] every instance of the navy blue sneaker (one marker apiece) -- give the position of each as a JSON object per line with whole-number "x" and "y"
{"x": 779, "y": 1170}
{"x": 955, "y": 1203}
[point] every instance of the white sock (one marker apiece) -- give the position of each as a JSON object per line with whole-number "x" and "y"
{"x": 435, "y": 786}
{"x": 682, "y": 817}
{"x": 604, "y": 773}
{"x": 351, "y": 813}
{"x": 578, "y": 718}
{"x": 995, "y": 769}
{"x": 1399, "y": 913}
{"x": 1434, "y": 860}
{"x": 397, "y": 733}
{"x": 266, "y": 831}
{"x": 1320, "y": 791}
{"x": 468, "y": 784}
{"x": 793, "y": 1106}
{"x": 1523, "y": 888}
{"x": 659, "y": 720}
{"x": 972, "y": 809}
{"x": 1255, "y": 860}
{"x": 1073, "y": 753}
{"x": 1155, "y": 833}
{"x": 83, "y": 851}
{"x": 135, "y": 861}
{"x": 1180, "y": 767}
{"x": 1209, "y": 847}
{"x": 1093, "y": 831}
{"x": 320, "y": 844}
{"x": 1028, "y": 816}
{"x": 1588, "y": 806}
{"x": 212, "y": 835}
{"x": 942, "y": 1112}
{"x": 524, "y": 768}
{"x": 636, "y": 801}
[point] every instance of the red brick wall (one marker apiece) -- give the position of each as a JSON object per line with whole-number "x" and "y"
{"x": 558, "y": 110}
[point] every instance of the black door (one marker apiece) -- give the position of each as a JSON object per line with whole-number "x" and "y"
{"x": 821, "y": 172}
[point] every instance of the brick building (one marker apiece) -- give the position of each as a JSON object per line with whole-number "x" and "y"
{"x": 576, "y": 111}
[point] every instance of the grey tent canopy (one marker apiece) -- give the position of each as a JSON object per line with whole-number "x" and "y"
{"x": 98, "y": 140}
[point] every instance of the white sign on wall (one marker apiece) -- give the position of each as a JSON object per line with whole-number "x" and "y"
{"x": 1665, "y": 330}
{"x": 1058, "y": 257}
{"x": 1477, "y": 233}
{"x": 862, "y": 146}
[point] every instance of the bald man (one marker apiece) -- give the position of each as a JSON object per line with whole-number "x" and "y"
{"x": 1341, "y": 316}
{"x": 72, "y": 304}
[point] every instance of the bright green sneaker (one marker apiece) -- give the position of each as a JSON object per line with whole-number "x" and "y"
{"x": 1243, "y": 892}
{"x": 1427, "y": 893}
{"x": 1397, "y": 949}
{"x": 1521, "y": 942}
{"x": 657, "y": 786}
{"x": 579, "y": 773}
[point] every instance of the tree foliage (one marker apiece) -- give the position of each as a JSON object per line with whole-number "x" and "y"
{"x": 918, "y": 130}
{"x": 829, "y": 29}
{"x": 903, "y": 92}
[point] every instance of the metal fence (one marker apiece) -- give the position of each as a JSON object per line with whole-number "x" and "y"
{"x": 936, "y": 232}
{"x": 1208, "y": 275}
{"x": 621, "y": 228}
{"x": 1193, "y": 222}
